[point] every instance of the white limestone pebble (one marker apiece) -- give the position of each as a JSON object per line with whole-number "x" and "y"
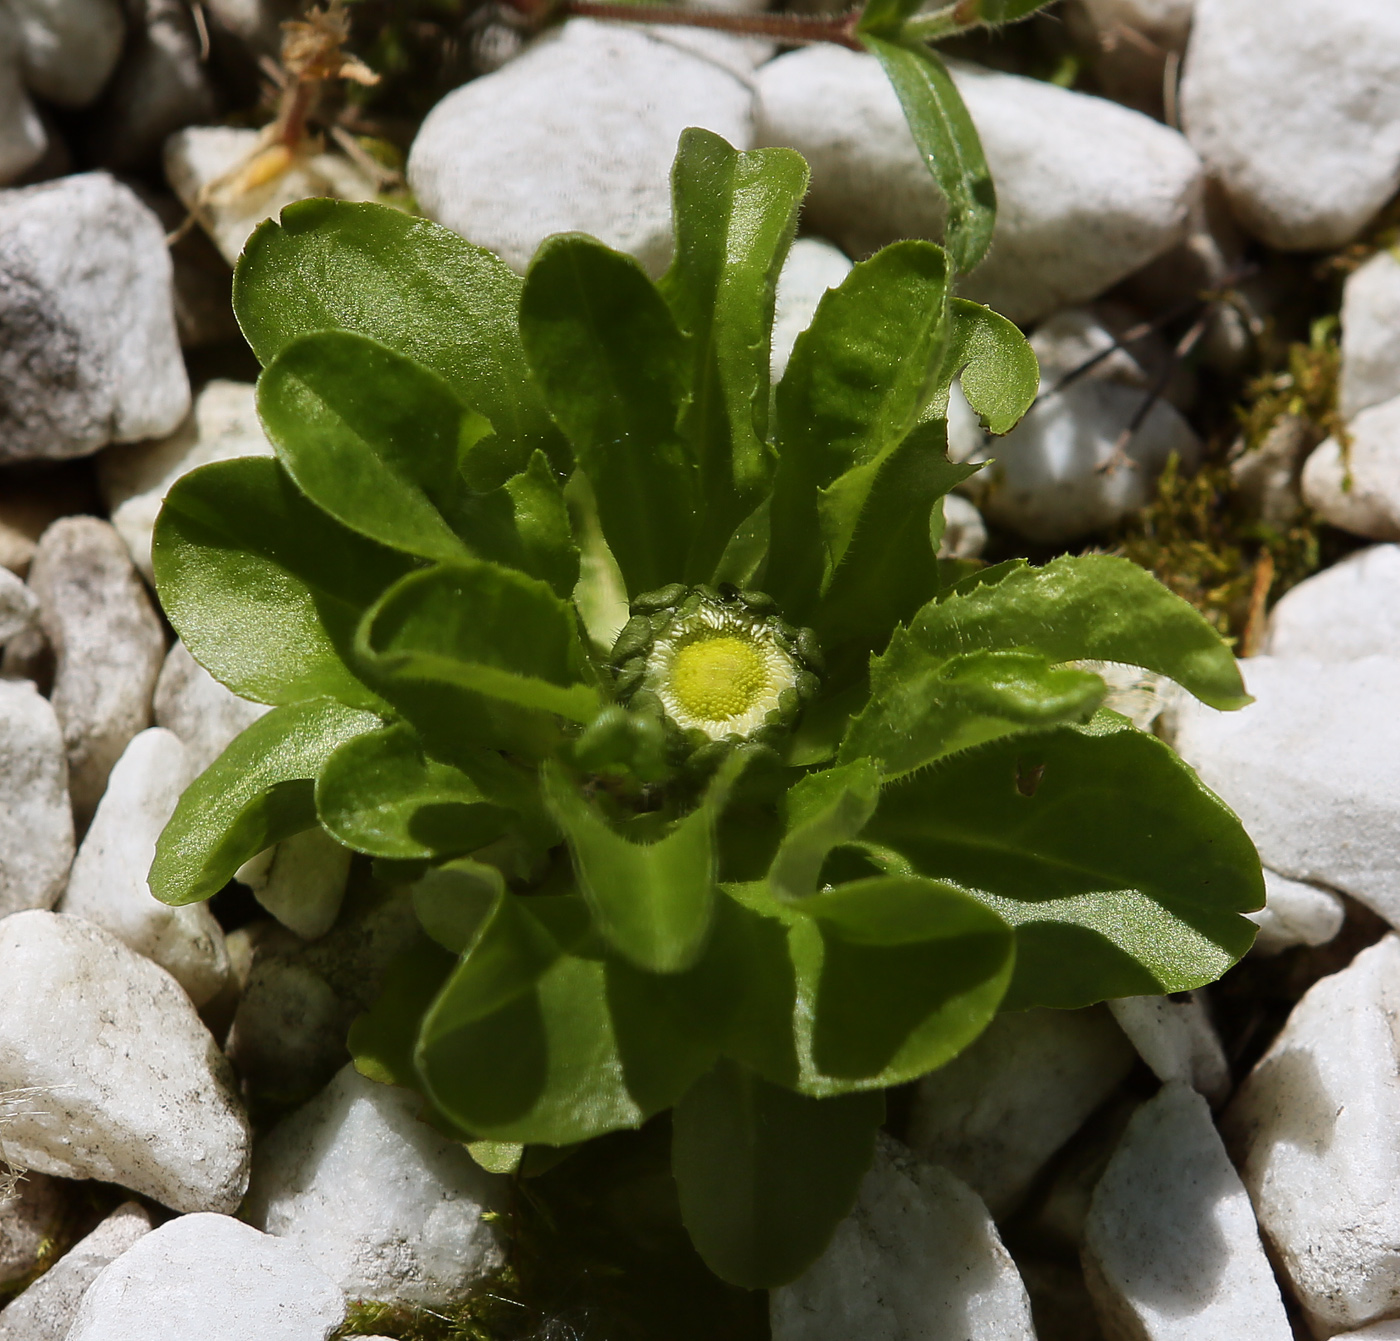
{"x": 812, "y": 267}
{"x": 1296, "y": 913}
{"x": 1177, "y": 1040}
{"x": 119, "y": 1079}
{"x": 996, "y": 1113}
{"x": 46, "y": 1309}
{"x": 107, "y": 642}
{"x": 1164, "y": 21}
{"x": 108, "y": 886}
{"x": 206, "y": 715}
{"x": 1358, "y": 487}
{"x": 1295, "y": 107}
{"x": 1349, "y": 610}
{"x": 964, "y": 531}
{"x": 203, "y": 165}
{"x": 91, "y": 354}
{"x": 1310, "y": 768}
{"x": 917, "y": 1257}
{"x": 1315, "y": 1131}
{"x": 1381, "y": 1331}
{"x": 36, "y": 819}
{"x": 1087, "y": 191}
{"x": 382, "y": 1203}
{"x": 1370, "y": 335}
{"x": 301, "y": 881}
{"x": 1065, "y": 470}
{"x": 576, "y": 134}
{"x": 19, "y": 607}
{"x": 134, "y": 478}
{"x": 1171, "y": 1250}
{"x": 209, "y": 1276}
{"x": 68, "y": 47}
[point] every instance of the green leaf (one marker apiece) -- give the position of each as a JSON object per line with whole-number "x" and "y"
{"x": 652, "y": 901}
{"x": 1000, "y": 376}
{"x": 766, "y": 1175}
{"x": 542, "y": 543}
{"x": 1123, "y": 875}
{"x": 948, "y": 142}
{"x": 1096, "y": 608}
{"x": 477, "y": 656}
{"x": 735, "y": 214}
{"x": 606, "y": 350}
{"x": 454, "y": 902}
{"x": 382, "y": 1039}
{"x": 924, "y": 706}
{"x": 379, "y": 793}
{"x": 259, "y": 791}
{"x": 264, "y": 588}
{"x": 823, "y": 810}
{"x": 537, "y": 1037}
{"x": 855, "y": 386}
{"x": 416, "y": 287}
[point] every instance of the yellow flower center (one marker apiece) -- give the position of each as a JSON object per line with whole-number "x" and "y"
{"x": 719, "y": 678}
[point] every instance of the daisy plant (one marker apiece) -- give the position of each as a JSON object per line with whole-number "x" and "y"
{"x": 716, "y": 789}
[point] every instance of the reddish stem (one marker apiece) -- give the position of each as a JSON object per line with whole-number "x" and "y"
{"x": 790, "y": 28}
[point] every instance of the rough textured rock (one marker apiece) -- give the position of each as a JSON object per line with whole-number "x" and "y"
{"x": 88, "y": 349}
{"x": 378, "y": 1200}
{"x": 1381, "y": 1331}
{"x": 19, "y": 608}
{"x": 123, "y": 1082}
{"x": 31, "y": 1218}
{"x": 812, "y": 267}
{"x": 1177, "y": 1040}
{"x": 108, "y": 884}
{"x": 135, "y": 479}
{"x": 301, "y": 881}
{"x": 1319, "y": 741}
{"x": 1370, "y": 335}
{"x": 917, "y": 1257}
{"x": 197, "y": 708}
{"x": 22, "y": 135}
{"x": 1315, "y": 1130}
{"x": 1347, "y": 611}
{"x": 1267, "y": 477}
{"x": 1359, "y": 489}
{"x": 45, "y": 1311}
{"x": 1295, "y": 107}
{"x": 108, "y": 644}
{"x": 1065, "y": 469}
{"x": 68, "y": 47}
{"x": 202, "y": 163}
{"x": 209, "y": 1275}
{"x": 1296, "y": 914}
{"x": 997, "y": 1112}
{"x": 1171, "y": 1249}
{"x": 577, "y": 133}
{"x": 36, "y": 820}
{"x": 1088, "y": 191}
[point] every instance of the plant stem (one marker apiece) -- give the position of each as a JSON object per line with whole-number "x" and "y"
{"x": 790, "y": 28}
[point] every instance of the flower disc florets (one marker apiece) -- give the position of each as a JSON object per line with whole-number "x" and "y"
{"x": 720, "y": 665}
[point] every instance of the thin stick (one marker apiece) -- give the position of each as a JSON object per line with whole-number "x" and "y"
{"x": 1258, "y": 604}
{"x": 791, "y": 28}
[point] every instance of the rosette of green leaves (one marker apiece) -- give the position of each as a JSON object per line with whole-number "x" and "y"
{"x": 471, "y": 472}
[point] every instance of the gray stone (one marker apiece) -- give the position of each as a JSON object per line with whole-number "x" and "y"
{"x": 301, "y": 881}
{"x": 135, "y": 478}
{"x": 1381, "y": 1331}
{"x": 964, "y": 531}
{"x": 108, "y": 644}
{"x": 36, "y": 820}
{"x": 88, "y": 348}
{"x": 108, "y": 886}
{"x": 1370, "y": 335}
{"x": 119, "y": 1079}
{"x": 1358, "y": 488}
{"x": 1164, "y": 21}
{"x": 1268, "y": 478}
{"x": 1171, "y": 1249}
{"x": 382, "y": 1203}
{"x": 1295, "y": 107}
{"x": 19, "y": 608}
{"x": 206, "y": 715}
{"x": 1315, "y": 1131}
{"x": 1177, "y": 1040}
{"x": 577, "y": 133}
{"x": 918, "y": 1257}
{"x": 1319, "y": 744}
{"x": 996, "y": 1113}
{"x": 69, "y": 47}
{"x": 1088, "y": 191}
{"x": 31, "y": 1218}
{"x": 812, "y": 267}
{"x": 45, "y": 1311}
{"x": 23, "y": 138}
{"x": 209, "y": 1276}
{"x": 1296, "y": 914}
{"x": 1344, "y": 612}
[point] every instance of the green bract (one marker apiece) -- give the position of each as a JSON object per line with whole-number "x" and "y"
{"x": 789, "y": 831}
